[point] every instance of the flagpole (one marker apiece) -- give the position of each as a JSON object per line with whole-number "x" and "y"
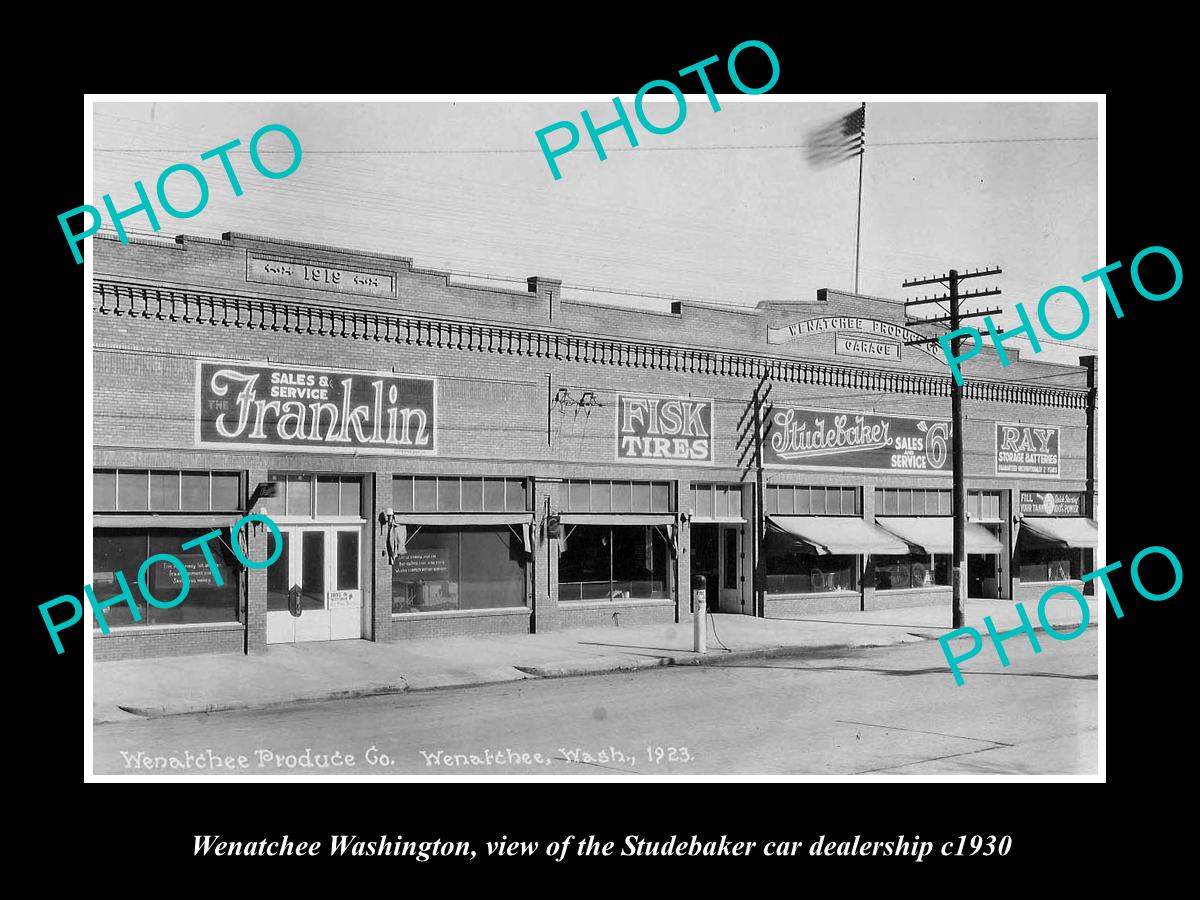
{"x": 862, "y": 151}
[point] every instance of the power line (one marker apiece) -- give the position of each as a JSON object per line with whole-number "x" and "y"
{"x": 1048, "y": 341}
{"x": 645, "y": 149}
{"x": 979, "y": 141}
{"x": 444, "y": 210}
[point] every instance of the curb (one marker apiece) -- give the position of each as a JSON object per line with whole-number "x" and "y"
{"x": 569, "y": 670}
{"x": 187, "y": 709}
{"x": 708, "y": 659}
{"x": 565, "y": 670}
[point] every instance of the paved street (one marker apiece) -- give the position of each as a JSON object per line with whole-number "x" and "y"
{"x": 890, "y": 710}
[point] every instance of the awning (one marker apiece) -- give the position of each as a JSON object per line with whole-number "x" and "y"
{"x": 1073, "y": 532}
{"x": 512, "y": 518}
{"x": 200, "y": 520}
{"x": 617, "y": 519}
{"x": 935, "y": 534}
{"x": 839, "y": 535}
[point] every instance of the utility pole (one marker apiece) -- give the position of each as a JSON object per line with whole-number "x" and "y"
{"x": 862, "y": 151}
{"x": 1092, "y": 492}
{"x": 760, "y": 520}
{"x": 959, "y": 494}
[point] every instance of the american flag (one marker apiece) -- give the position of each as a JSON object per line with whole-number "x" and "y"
{"x": 839, "y": 140}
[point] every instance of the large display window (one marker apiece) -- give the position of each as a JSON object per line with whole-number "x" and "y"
{"x": 1038, "y": 563}
{"x": 611, "y": 562}
{"x": 793, "y": 568}
{"x": 126, "y": 549}
{"x": 915, "y": 570}
{"x": 459, "y": 567}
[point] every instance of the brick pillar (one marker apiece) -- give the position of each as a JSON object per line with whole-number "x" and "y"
{"x": 866, "y": 571}
{"x": 544, "y": 580}
{"x": 683, "y": 556}
{"x": 256, "y": 604}
{"x": 1005, "y": 579}
{"x": 381, "y": 571}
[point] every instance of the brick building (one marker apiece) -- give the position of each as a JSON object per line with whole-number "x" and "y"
{"x": 450, "y": 459}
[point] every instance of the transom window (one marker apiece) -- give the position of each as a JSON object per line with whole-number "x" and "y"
{"x": 315, "y": 496}
{"x": 983, "y": 506}
{"x": 165, "y": 490}
{"x": 913, "y": 502}
{"x": 450, "y": 493}
{"x": 602, "y": 496}
{"x": 717, "y": 501}
{"x": 801, "y": 500}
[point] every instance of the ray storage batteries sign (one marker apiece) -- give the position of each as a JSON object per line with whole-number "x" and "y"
{"x": 664, "y": 429}
{"x": 312, "y": 410}
{"x": 1030, "y": 450}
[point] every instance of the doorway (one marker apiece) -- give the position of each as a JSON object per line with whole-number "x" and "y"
{"x": 717, "y": 555}
{"x": 314, "y": 588}
{"x": 706, "y": 561}
{"x": 731, "y": 569}
{"x": 983, "y": 582}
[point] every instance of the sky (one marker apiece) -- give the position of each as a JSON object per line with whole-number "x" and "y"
{"x": 726, "y": 208}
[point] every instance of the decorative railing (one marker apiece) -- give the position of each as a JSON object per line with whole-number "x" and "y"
{"x": 216, "y": 310}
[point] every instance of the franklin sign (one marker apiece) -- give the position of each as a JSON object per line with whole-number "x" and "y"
{"x": 314, "y": 410}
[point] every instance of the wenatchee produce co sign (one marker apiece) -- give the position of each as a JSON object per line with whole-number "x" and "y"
{"x": 844, "y": 327}
{"x": 861, "y": 442}
{"x": 314, "y": 410}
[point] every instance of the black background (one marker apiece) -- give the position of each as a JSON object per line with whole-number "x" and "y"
{"x": 1149, "y": 404}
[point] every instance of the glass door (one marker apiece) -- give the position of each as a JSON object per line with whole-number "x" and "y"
{"x": 345, "y": 590}
{"x": 281, "y": 600}
{"x": 313, "y": 590}
{"x": 731, "y": 569}
{"x": 310, "y": 575}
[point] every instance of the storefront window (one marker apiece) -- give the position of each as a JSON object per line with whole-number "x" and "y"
{"x": 1040, "y": 563}
{"x": 452, "y": 567}
{"x": 793, "y": 569}
{"x": 125, "y": 550}
{"x": 916, "y": 570}
{"x": 611, "y": 562}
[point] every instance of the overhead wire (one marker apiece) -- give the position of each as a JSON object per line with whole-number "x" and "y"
{"x": 442, "y": 208}
{"x": 465, "y": 215}
{"x": 422, "y": 151}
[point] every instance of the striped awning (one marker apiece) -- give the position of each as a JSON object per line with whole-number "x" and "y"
{"x": 1063, "y": 532}
{"x": 935, "y": 534}
{"x": 838, "y": 535}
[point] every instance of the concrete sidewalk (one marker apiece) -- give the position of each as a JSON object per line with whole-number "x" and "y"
{"x": 295, "y": 673}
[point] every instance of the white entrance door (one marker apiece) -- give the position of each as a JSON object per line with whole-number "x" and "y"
{"x": 314, "y": 590}
{"x": 730, "y": 551}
